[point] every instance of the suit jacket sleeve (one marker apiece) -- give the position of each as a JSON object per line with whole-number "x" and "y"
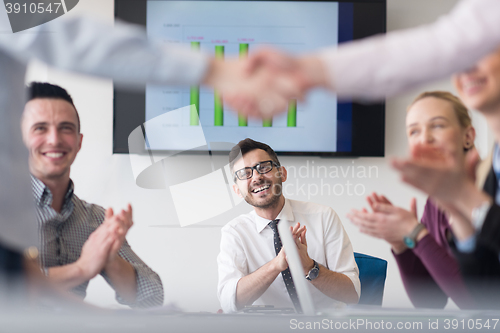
{"x": 122, "y": 52}
{"x": 385, "y": 65}
{"x": 481, "y": 268}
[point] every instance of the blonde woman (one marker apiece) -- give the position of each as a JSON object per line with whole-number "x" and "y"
{"x": 428, "y": 269}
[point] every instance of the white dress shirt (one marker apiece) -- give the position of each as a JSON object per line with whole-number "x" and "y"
{"x": 385, "y": 65}
{"x": 122, "y": 53}
{"x": 248, "y": 243}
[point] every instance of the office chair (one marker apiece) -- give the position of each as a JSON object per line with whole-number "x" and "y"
{"x": 372, "y": 274}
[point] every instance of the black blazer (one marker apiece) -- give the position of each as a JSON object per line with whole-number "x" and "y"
{"x": 490, "y": 232}
{"x": 481, "y": 268}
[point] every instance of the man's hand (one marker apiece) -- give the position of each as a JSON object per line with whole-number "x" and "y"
{"x": 101, "y": 248}
{"x": 122, "y": 223}
{"x": 253, "y": 285}
{"x": 96, "y": 250}
{"x": 120, "y": 271}
{"x": 299, "y": 235}
{"x": 279, "y": 262}
{"x": 264, "y": 83}
{"x": 335, "y": 285}
{"x": 255, "y": 93}
{"x": 305, "y": 71}
{"x": 100, "y": 252}
{"x": 386, "y": 221}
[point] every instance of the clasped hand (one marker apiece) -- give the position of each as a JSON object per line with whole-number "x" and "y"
{"x": 101, "y": 248}
{"x": 299, "y": 236}
{"x": 263, "y": 84}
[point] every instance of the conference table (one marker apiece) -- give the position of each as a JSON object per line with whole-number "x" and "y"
{"x": 359, "y": 319}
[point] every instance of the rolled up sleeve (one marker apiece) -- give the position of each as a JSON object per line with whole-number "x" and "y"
{"x": 149, "y": 286}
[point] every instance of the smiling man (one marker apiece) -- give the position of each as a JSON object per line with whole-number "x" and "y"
{"x": 78, "y": 240}
{"x": 252, "y": 264}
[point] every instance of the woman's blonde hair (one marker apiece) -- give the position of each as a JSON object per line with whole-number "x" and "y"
{"x": 460, "y": 109}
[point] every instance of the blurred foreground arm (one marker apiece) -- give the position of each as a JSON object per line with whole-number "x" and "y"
{"x": 448, "y": 181}
{"x": 385, "y": 65}
{"x": 380, "y": 66}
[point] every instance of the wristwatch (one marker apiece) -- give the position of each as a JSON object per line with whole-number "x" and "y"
{"x": 411, "y": 239}
{"x": 314, "y": 272}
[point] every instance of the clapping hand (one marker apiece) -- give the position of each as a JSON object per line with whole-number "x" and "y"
{"x": 449, "y": 181}
{"x": 434, "y": 171}
{"x": 386, "y": 221}
{"x": 299, "y": 236}
{"x": 102, "y": 246}
{"x": 121, "y": 223}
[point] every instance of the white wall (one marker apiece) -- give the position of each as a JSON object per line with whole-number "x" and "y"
{"x": 185, "y": 258}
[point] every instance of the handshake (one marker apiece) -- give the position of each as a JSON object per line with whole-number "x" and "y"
{"x": 263, "y": 84}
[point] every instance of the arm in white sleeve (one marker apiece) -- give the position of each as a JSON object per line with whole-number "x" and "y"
{"x": 123, "y": 52}
{"x": 232, "y": 266}
{"x": 388, "y": 64}
{"x": 338, "y": 250}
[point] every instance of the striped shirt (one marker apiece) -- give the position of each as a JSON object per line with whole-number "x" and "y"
{"x": 62, "y": 236}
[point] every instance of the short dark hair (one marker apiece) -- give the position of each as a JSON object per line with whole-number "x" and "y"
{"x": 47, "y": 90}
{"x": 245, "y": 146}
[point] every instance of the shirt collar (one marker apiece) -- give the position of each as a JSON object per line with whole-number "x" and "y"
{"x": 43, "y": 196}
{"x": 285, "y": 214}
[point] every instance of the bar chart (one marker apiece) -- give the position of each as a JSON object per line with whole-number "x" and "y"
{"x": 235, "y": 29}
{"x": 218, "y": 105}
{"x": 221, "y": 40}
{"x": 194, "y": 97}
{"x": 242, "y": 119}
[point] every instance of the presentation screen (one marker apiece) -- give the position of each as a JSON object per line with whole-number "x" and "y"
{"x": 180, "y": 118}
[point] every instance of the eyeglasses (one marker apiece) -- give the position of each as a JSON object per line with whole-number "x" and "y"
{"x": 261, "y": 168}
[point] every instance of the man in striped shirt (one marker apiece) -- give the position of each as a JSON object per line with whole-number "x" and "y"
{"x": 78, "y": 240}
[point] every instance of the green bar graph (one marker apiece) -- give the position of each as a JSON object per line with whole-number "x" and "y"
{"x": 292, "y": 114}
{"x": 267, "y": 122}
{"x": 242, "y": 119}
{"x": 218, "y": 105}
{"x": 243, "y": 50}
{"x": 194, "y": 96}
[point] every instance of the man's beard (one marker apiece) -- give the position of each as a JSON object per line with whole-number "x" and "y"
{"x": 271, "y": 202}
